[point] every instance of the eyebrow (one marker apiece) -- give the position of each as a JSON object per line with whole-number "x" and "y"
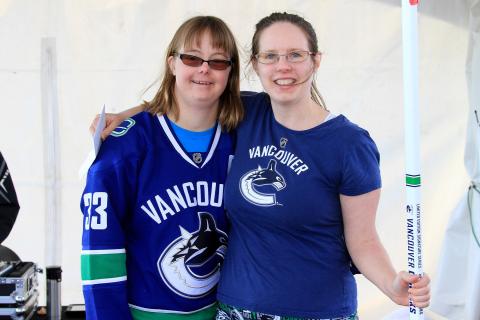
{"x": 220, "y": 53}
{"x": 288, "y": 50}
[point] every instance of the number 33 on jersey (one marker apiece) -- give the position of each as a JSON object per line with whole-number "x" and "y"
{"x": 98, "y": 200}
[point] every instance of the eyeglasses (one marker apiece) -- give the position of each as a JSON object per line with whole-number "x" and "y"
{"x": 194, "y": 61}
{"x": 292, "y": 56}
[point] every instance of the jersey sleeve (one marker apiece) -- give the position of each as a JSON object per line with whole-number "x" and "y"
{"x": 361, "y": 160}
{"x": 105, "y": 203}
{"x": 8, "y": 201}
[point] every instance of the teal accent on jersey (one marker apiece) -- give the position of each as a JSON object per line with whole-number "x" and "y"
{"x": 204, "y": 314}
{"x": 193, "y": 141}
{"x": 103, "y": 266}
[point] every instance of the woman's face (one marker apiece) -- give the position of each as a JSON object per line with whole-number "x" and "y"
{"x": 287, "y": 83}
{"x": 201, "y": 85}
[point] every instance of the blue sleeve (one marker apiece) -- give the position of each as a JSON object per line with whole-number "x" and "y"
{"x": 361, "y": 171}
{"x": 105, "y": 204}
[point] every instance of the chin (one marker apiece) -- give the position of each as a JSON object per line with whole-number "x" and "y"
{"x": 283, "y": 98}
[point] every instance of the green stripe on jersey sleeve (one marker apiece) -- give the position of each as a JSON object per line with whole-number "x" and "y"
{"x": 103, "y": 266}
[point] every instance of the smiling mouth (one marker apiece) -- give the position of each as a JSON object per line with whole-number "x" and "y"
{"x": 284, "y": 82}
{"x": 203, "y": 83}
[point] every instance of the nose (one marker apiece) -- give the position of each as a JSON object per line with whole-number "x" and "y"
{"x": 283, "y": 63}
{"x": 204, "y": 67}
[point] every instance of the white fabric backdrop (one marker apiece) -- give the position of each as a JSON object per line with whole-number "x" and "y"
{"x": 456, "y": 293}
{"x": 109, "y": 51}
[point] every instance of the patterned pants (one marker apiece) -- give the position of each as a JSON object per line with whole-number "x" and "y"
{"x": 226, "y": 312}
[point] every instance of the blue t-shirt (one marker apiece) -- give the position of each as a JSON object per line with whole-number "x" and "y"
{"x": 193, "y": 141}
{"x": 287, "y": 254}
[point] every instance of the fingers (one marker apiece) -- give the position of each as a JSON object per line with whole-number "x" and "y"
{"x": 424, "y": 291}
{"x": 106, "y": 132}
{"x": 111, "y": 125}
{"x": 420, "y": 301}
{"x": 112, "y": 120}
{"x": 415, "y": 279}
{"x": 419, "y": 293}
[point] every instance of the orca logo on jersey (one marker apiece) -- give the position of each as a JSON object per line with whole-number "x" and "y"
{"x": 252, "y": 181}
{"x": 123, "y": 128}
{"x": 190, "y": 265}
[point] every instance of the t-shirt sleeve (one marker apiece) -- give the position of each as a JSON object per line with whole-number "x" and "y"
{"x": 361, "y": 171}
{"x": 105, "y": 204}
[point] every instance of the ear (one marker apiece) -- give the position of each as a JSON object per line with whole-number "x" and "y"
{"x": 171, "y": 64}
{"x": 317, "y": 59}
{"x": 254, "y": 65}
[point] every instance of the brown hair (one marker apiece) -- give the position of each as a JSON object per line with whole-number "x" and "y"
{"x": 230, "y": 105}
{"x": 307, "y": 29}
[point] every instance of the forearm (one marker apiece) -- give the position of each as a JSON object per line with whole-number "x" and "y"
{"x": 132, "y": 111}
{"x": 371, "y": 258}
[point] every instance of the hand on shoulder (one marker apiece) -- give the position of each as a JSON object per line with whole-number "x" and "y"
{"x": 113, "y": 120}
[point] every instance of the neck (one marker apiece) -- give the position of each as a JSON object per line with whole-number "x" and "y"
{"x": 196, "y": 117}
{"x": 302, "y": 115}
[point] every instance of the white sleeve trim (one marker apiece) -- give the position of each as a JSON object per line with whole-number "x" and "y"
{"x": 169, "y": 311}
{"x": 105, "y": 251}
{"x": 101, "y": 281}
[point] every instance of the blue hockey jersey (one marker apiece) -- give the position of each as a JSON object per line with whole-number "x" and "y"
{"x": 154, "y": 232}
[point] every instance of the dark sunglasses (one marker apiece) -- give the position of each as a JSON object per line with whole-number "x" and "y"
{"x": 194, "y": 61}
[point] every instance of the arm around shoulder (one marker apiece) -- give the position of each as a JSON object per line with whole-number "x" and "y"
{"x": 113, "y": 120}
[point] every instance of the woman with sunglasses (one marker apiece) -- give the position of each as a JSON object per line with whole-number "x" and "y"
{"x": 154, "y": 224}
{"x": 301, "y": 195}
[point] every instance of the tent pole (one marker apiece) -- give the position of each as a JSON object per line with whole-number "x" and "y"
{"x": 51, "y": 143}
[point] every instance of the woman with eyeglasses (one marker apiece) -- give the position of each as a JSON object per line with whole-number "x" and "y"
{"x": 154, "y": 224}
{"x": 301, "y": 195}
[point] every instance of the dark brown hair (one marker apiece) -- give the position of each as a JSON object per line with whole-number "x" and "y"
{"x": 230, "y": 106}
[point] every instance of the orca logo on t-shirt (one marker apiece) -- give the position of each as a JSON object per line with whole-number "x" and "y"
{"x": 262, "y": 179}
{"x": 190, "y": 265}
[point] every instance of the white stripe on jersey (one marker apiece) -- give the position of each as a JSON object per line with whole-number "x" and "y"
{"x": 104, "y": 251}
{"x": 214, "y": 145}
{"x": 169, "y": 311}
{"x": 106, "y": 280}
{"x": 179, "y": 149}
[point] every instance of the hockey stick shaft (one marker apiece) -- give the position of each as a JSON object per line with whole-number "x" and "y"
{"x": 412, "y": 145}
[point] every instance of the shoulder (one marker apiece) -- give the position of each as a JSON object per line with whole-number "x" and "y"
{"x": 359, "y": 158}
{"x": 256, "y": 105}
{"x": 351, "y": 141}
{"x": 350, "y": 132}
{"x": 252, "y": 99}
{"x": 134, "y": 126}
{"x": 128, "y": 141}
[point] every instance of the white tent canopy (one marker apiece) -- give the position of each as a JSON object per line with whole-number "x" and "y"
{"x": 456, "y": 294}
{"x": 61, "y": 61}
